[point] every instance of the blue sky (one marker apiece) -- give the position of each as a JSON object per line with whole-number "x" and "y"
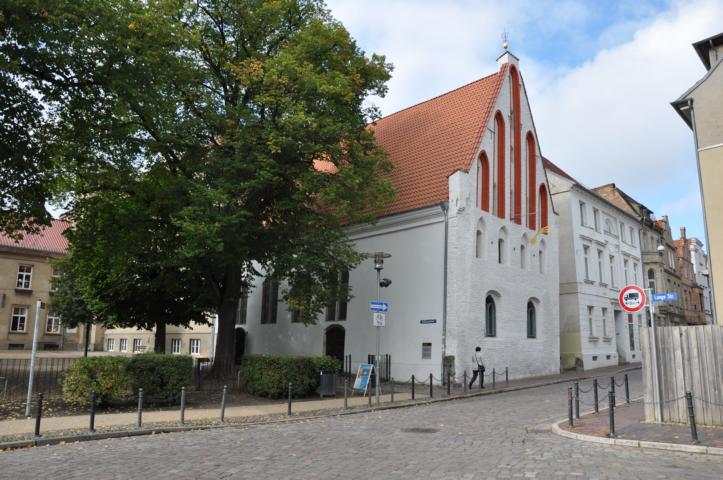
{"x": 600, "y": 76}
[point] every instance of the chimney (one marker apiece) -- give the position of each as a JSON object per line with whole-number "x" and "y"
{"x": 682, "y": 234}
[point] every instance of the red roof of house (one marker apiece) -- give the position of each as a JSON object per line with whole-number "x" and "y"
{"x": 431, "y": 140}
{"x": 549, "y": 166}
{"x": 48, "y": 240}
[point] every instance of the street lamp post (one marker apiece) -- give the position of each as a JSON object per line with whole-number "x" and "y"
{"x": 379, "y": 266}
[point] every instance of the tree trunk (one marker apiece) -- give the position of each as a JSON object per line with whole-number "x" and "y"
{"x": 87, "y": 338}
{"x": 159, "y": 343}
{"x": 225, "y": 336}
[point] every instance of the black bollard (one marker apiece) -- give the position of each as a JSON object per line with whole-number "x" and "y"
{"x": 38, "y": 414}
{"x": 369, "y": 398}
{"x": 449, "y": 382}
{"x": 198, "y": 375}
{"x": 289, "y": 410}
{"x": 431, "y": 386}
{"x": 346, "y": 393}
{"x": 481, "y": 378}
{"x": 577, "y": 400}
{"x": 140, "y": 408}
{"x": 464, "y": 382}
{"x": 507, "y": 377}
{"x": 223, "y": 403}
{"x": 569, "y": 407}
{"x": 627, "y": 389}
{"x": 91, "y": 427}
{"x": 611, "y": 412}
{"x": 595, "y": 399}
{"x": 691, "y": 417}
{"x": 494, "y": 375}
{"x": 412, "y": 387}
{"x": 183, "y": 405}
{"x": 612, "y": 385}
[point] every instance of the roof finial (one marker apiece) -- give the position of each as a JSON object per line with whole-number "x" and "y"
{"x": 505, "y": 38}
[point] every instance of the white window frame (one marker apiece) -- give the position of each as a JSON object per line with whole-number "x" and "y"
{"x": 54, "y": 321}
{"x": 110, "y": 344}
{"x": 25, "y": 277}
{"x": 194, "y": 346}
{"x": 600, "y": 263}
{"x": 137, "y": 344}
{"x": 53, "y": 279}
{"x": 426, "y": 350}
{"x": 596, "y": 219}
{"x": 123, "y": 345}
{"x": 586, "y": 260}
{"x": 176, "y": 346}
{"x": 604, "y": 322}
{"x": 590, "y": 320}
{"x": 612, "y": 271}
{"x": 583, "y": 214}
{"x": 22, "y": 318}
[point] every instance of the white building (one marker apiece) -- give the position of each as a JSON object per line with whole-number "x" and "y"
{"x": 702, "y": 275}
{"x": 599, "y": 254}
{"x": 469, "y": 264}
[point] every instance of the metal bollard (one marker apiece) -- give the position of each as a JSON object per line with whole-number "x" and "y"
{"x": 431, "y": 386}
{"x": 577, "y": 400}
{"x": 369, "y": 398}
{"x": 391, "y": 389}
{"x": 449, "y": 383}
{"x": 223, "y": 403}
{"x": 464, "y": 382}
{"x": 507, "y": 377}
{"x": 91, "y": 427}
{"x": 611, "y": 411}
{"x": 183, "y": 405}
{"x": 627, "y": 389}
{"x": 494, "y": 375}
{"x": 691, "y": 417}
{"x": 346, "y": 393}
{"x": 412, "y": 387}
{"x": 595, "y": 399}
{"x": 198, "y": 375}
{"x": 140, "y": 408}
{"x": 612, "y": 385}
{"x": 569, "y": 407}
{"x": 38, "y": 414}
{"x": 288, "y": 412}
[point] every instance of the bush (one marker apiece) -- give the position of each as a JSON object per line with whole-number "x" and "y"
{"x": 160, "y": 376}
{"x": 105, "y": 375}
{"x": 270, "y": 375}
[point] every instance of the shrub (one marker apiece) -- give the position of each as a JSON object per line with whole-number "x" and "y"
{"x": 160, "y": 376}
{"x": 270, "y": 375}
{"x": 105, "y": 375}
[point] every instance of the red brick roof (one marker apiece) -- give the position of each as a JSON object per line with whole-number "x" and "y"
{"x": 48, "y": 240}
{"x": 431, "y": 140}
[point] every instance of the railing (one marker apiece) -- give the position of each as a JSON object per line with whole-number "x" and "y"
{"x": 49, "y": 371}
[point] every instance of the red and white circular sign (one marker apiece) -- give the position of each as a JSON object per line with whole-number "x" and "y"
{"x": 632, "y": 298}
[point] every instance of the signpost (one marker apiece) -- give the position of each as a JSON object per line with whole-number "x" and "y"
{"x": 378, "y": 307}
{"x": 632, "y": 298}
{"x": 379, "y": 319}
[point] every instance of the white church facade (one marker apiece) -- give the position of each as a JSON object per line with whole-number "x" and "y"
{"x": 473, "y": 240}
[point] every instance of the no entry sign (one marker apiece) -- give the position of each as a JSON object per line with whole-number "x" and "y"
{"x": 632, "y": 298}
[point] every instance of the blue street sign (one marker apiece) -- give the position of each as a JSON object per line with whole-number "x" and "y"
{"x": 378, "y": 306}
{"x": 665, "y": 297}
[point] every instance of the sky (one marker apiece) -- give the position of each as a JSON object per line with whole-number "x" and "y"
{"x": 600, "y": 76}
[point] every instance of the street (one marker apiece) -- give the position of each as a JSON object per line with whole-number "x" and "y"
{"x": 495, "y": 436}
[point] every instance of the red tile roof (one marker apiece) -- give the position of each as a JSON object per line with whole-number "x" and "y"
{"x": 48, "y": 240}
{"x": 549, "y": 166}
{"x": 431, "y": 140}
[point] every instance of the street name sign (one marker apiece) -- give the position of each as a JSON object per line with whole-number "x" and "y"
{"x": 428, "y": 321}
{"x": 665, "y": 297}
{"x": 379, "y": 319}
{"x": 378, "y": 307}
{"x": 632, "y": 298}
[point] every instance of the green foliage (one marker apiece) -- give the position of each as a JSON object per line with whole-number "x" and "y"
{"x": 270, "y": 375}
{"x": 106, "y": 376}
{"x": 160, "y": 376}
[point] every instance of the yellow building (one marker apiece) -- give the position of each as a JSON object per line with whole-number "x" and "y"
{"x": 702, "y": 109}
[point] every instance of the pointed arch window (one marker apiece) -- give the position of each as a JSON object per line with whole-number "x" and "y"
{"x": 531, "y": 182}
{"x": 516, "y": 147}
{"x": 490, "y": 317}
{"x": 543, "y": 206}
{"x": 484, "y": 182}
{"x": 531, "y": 320}
{"x": 500, "y": 151}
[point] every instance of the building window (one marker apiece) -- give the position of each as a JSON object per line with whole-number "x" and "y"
{"x": 54, "y": 279}
{"x": 586, "y": 260}
{"x": 25, "y": 277}
{"x": 609, "y": 229}
{"x": 336, "y": 309}
{"x": 123, "y": 345}
{"x": 651, "y": 280}
{"x": 110, "y": 344}
{"x": 625, "y": 270}
{"x": 523, "y": 254}
{"x": 531, "y": 181}
{"x": 531, "y": 321}
{"x": 478, "y": 244}
{"x": 635, "y": 273}
{"x": 485, "y": 182}
{"x": 500, "y": 151}
{"x": 241, "y": 309}
{"x": 596, "y": 219}
{"x": 590, "y": 324}
{"x": 53, "y": 324}
{"x": 543, "y": 209}
{"x": 632, "y": 236}
{"x": 490, "y": 317}
{"x": 501, "y": 251}
{"x": 583, "y": 214}
{"x": 600, "y": 266}
{"x": 137, "y": 347}
{"x": 605, "y": 322}
{"x": 18, "y": 322}
{"x": 426, "y": 351}
{"x": 612, "y": 271}
{"x": 195, "y": 346}
{"x": 622, "y": 232}
{"x": 176, "y": 346}
{"x": 269, "y": 301}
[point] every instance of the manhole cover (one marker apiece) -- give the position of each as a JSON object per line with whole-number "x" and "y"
{"x": 420, "y": 430}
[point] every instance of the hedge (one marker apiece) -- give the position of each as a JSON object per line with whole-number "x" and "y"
{"x": 160, "y": 376}
{"x": 106, "y": 376}
{"x": 270, "y": 375}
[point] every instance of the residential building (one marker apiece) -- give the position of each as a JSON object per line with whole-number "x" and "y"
{"x": 599, "y": 255}
{"x": 26, "y": 275}
{"x": 693, "y": 291}
{"x": 473, "y": 243}
{"x": 701, "y": 107}
{"x": 702, "y": 275}
{"x": 197, "y": 340}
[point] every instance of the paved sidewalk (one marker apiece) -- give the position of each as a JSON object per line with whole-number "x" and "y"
{"x": 60, "y": 424}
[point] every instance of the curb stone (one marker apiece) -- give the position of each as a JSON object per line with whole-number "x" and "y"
{"x": 50, "y": 440}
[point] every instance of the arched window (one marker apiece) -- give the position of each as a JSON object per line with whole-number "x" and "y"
{"x": 531, "y": 320}
{"x": 517, "y": 146}
{"x": 651, "y": 280}
{"x": 501, "y": 251}
{"x": 531, "y": 182}
{"x": 478, "y": 244}
{"x": 500, "y": 186}
{"x": 484, "y": 182}
{"x": 543, "y": 206}
{"x": 490, "y": 317}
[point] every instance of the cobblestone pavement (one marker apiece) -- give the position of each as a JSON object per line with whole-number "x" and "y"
{"x": 495, "y": 436}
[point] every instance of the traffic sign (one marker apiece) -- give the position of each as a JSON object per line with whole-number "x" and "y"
{"x": 379, "y": 319}
{"x": 378, "y": 306}
{"x": 632, "y": 298}
{"x": 665, "y": 297}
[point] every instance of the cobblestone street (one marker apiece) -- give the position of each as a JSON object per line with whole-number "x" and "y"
{"x": 497, "y": 436}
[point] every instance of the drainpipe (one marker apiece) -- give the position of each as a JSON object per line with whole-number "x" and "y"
{"x": 702, "y": 201}
{"x": 445, "y": 211}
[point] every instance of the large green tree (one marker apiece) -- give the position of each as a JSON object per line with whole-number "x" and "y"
{"x": 231, "y": 106}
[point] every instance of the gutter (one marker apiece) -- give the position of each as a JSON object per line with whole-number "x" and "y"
{"x": 445, "y": 211}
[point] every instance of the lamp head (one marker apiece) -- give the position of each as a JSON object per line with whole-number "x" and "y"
{"x": 385, "y": 282}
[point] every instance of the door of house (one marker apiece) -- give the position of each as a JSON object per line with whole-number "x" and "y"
{"x": 239, "y": 345}
{"x": 334, "y": 342}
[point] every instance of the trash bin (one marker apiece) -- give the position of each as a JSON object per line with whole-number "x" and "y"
{"x": 327, "y": 385}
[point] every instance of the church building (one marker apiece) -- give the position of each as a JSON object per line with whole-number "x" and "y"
{"x": 473, "y": 242}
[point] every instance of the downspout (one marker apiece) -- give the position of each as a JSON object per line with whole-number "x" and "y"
{"x": 702, "y": 201}
{"x": 445, "y": 211}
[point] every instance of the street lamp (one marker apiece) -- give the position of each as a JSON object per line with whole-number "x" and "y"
{"x": 379, "y": 266}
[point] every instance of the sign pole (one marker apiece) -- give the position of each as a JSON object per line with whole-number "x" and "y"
{"x": 38, "y": 307}
{"x": 654, "y": 361}
{"x": 379, "y": 339}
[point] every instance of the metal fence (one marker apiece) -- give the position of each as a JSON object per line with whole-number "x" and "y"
{"x": 15, "y": 373}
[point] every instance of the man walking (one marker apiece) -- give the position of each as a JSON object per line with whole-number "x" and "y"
{"x": 477, "y": 360}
